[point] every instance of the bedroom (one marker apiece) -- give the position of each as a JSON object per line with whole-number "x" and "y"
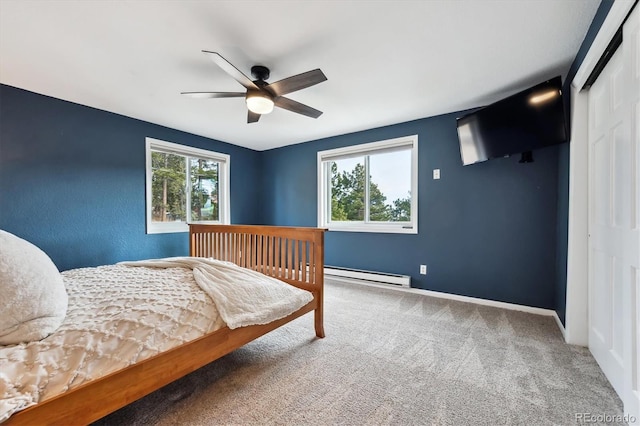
{"x": 496, "y": 216}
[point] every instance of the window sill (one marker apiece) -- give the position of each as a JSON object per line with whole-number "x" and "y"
{"x": 175, "y": 227}
{"x": 382, "y": 229}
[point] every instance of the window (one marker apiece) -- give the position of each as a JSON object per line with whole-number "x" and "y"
{"x": 370, "y": 188}
{"x": 185, "y": 185}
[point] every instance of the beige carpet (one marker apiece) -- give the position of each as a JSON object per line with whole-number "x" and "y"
{"x": 394, "y": 358}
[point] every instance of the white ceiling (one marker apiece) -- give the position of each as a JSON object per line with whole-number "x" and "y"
{"x": 386, "y": 61}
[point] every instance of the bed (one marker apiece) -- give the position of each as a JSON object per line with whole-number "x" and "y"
{"x": 292, "y": 255}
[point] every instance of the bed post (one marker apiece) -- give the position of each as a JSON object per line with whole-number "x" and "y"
{"x": 319, "y": 260}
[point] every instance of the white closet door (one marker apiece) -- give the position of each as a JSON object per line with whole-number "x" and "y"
{"x": 607, "y": 134}
{"x": 614, "y": 244}
{"x": 631, "y": 396}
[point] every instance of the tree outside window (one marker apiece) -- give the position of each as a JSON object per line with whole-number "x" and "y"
{"x": 348, "y": 198}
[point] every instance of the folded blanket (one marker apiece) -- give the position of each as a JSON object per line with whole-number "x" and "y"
{"x": 243, "y": 297}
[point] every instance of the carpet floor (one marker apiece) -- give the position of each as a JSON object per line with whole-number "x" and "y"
{"x": 390, "y": 358}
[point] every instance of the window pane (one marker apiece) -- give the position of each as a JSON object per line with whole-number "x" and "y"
{"x": 371, "y": 187}
{"x": 204, "y": 190}
{"x": 347, "y": 189}
{"x": 168, "y": 198}
{"x": 390, "y": 187}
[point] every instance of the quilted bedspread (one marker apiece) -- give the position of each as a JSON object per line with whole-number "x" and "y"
{"x": 117, "y": 316}
{"x": 243, "y": 296}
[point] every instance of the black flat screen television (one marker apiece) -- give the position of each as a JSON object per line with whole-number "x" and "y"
{"x": 531, "y": 119}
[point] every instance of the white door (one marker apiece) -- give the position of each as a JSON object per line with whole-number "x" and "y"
{"x": 614, "y": 218}
{"x": 631, "y": 396}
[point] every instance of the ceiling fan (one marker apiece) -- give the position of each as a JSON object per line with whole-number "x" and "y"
{"x": 261, "y": 96}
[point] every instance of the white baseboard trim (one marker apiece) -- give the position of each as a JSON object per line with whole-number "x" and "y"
{"x": 560, "y": 326}
{"x": 467, "y": 299}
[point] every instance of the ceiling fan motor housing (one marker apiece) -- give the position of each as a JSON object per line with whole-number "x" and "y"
{"x": 260, "y": 72}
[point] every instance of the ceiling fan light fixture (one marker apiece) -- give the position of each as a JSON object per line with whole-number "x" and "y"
{"x": 259, "y": 103}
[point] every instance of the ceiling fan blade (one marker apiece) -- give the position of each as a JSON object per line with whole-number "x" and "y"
{"x": 294, "y": 106}
{"x": 252, "y": 117}
{"x": 296, "y": 82}
{"x": 231, "y": 70}
{"x": 203, "y": 95}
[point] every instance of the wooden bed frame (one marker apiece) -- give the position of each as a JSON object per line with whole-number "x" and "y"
{"x": 293, "y": 255}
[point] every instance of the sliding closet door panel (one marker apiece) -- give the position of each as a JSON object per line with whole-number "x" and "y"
{"x": 608, "y": 151}
{"x": 614, "y": 220}
{"x": 631, "y": 396}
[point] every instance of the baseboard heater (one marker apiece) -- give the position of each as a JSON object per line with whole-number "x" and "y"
{"x": 347, "y": 274}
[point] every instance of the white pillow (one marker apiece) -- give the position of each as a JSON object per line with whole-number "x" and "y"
{"x": 33, "y": 299}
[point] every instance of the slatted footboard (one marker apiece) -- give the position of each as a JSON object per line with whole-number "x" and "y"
{"x": 293, "y": 255}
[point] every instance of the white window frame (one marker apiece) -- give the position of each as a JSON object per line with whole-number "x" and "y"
{"x": 324, "y": 184}
{"x": 224, "y": 162}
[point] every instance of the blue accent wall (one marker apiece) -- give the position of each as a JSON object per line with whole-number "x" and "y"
{"x": 72, "y": 180}
{"x": 563, "y": 166}
{"x": 486, "y": 230}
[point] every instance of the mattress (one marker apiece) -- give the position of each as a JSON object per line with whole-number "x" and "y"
{"x": 117, "y": 316}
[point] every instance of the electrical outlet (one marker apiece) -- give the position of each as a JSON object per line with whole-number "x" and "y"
{"x": 423, "y": 269}
{"x": 436, "y": 173}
